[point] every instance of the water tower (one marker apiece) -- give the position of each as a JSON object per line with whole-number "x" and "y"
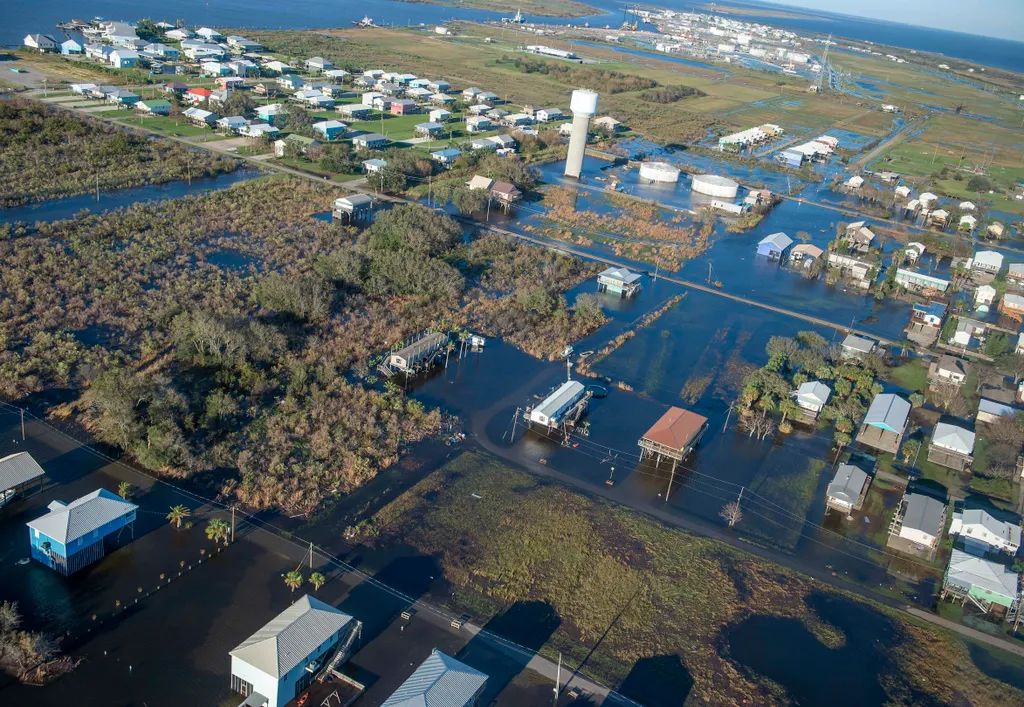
{"x": 583, "y": 107}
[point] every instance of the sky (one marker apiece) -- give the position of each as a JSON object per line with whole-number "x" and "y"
{"x": 992, "y": 18}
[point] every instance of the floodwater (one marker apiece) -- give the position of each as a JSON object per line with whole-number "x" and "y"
{"x": 57, "y": 209}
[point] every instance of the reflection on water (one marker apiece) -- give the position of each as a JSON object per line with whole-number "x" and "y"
{"x": 57, "y": 209}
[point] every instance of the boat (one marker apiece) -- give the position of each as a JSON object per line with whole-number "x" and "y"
{"x": 365, "y": 22}
{"x": 516, "y": 19}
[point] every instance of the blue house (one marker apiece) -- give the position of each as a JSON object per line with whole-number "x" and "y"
{"x": 791, "y": 158}
{"x": 72, "y": 535}
{"x": 330, "y": 129}
{"x": 774, "y": 246}
{"x": 70, "y": 47}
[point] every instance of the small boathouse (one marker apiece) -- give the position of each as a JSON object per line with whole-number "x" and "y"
{"x": 415, "y": 355}
{"x": 565, "y": 404}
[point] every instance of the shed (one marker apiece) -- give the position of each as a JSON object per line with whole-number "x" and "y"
{"x": 439, "y": 681}
{"x": 674, "y": 435}
{"x": 17, "y": 472}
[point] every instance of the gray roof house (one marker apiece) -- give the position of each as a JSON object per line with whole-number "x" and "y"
{"x": 951, "y": 446}
{"x": 848, "y": 488}
{"x": 279, "y": 661}
{"x": 983, "y": 582}
{"x": 440, "y": 681}
{"x": 17, "y": 470}
{"x": 857, "y": 346}
{"x": 885, "y": 423}
{"x": 981, "y": 532}
{"x": 918, "y": 524}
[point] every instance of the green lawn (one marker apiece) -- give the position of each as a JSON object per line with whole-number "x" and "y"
{"x": 913, "y": 376}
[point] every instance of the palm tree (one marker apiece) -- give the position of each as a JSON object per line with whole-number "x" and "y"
{"x": 124, "y": 490}
{"x": 178, "y": 513}
{"x": 294, "y": 579}
{"x": 317, "y": 580}
{"x": 218, "y": 529}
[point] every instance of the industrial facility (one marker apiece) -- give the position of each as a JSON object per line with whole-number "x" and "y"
{"x": 659, "y": 172}
{"x": 713, "y": 185}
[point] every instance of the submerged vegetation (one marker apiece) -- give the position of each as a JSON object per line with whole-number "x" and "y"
{"x": 619, "y": 589}
{"x": 235, "y": 377}
{"x": 48, "y": 153}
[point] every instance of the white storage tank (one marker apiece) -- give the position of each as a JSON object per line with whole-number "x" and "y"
{"x": 713, "y": 185}
{"x": 659, "y": 172}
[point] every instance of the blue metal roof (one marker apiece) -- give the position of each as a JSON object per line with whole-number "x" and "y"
{"x": 889, "y": 412}
{"x": 440, "y": 681}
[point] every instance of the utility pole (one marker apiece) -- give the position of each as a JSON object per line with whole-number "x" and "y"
{"x": 310, "y": 555}
{"x": 515, "y": 421}
{"x": 727, "y": 416}
{"x": 558, "y": 677}
{"x": 22, "y": 424}
{"x": 232, "y": 524}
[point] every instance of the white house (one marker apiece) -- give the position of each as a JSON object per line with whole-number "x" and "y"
{"x": 440, "y": 115}
{"x": 903, "y": 192}
{"x": 951, "y": 446}
{"x": 983, "y": 532}
{"x": 988, "y": 261}
{"x": 812, "y": 396}
{"x": 42, "y": 42}
{"x": 281, "y": 659}
{"x": 984, "y": 295}
{"x": 968, "y": 222}
{"x": 208, "y": 34}
{"x": 847, "y": 489}
{"x": 921, "y": 519}
{"x": 545, "y": 115}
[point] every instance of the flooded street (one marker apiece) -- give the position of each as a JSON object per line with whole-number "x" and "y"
{"x": 154, "y": 620}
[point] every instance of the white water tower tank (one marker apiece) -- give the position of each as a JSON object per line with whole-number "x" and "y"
{"x": 584, "y": 107}
{"x": 583, "y": 102}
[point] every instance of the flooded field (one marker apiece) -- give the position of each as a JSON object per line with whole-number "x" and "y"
{"x": 57, "y": 209}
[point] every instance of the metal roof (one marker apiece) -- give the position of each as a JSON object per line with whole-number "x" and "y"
{"x": 858, "y": 343}
{"x": 847, "y": 484}
{"x": 676, "y": 428}
{"x": 923, "y": 513}
{"x": 888, "y": 412}
{"x": 814, "y": 392}
{"x": 974, "y": 571}
{"x": 1002, "y": 529}
{"x": 17, "y": 469}
{"x": 989, "y": 258}
{"x": 291, "y": 636}
{"x": 780, "y": 240}
{"x": 953, "y": 438}
{"x": 440, "y": 681}
{"x": 995, "y": 408}
{"x": 67, "y": 523}
{"x": 621, "y": 274}
{"x": 551, "y": 405}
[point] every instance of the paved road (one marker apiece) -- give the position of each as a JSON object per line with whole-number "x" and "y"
{"x": 694, "y": 526}
{"x": 891, "y": 142}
